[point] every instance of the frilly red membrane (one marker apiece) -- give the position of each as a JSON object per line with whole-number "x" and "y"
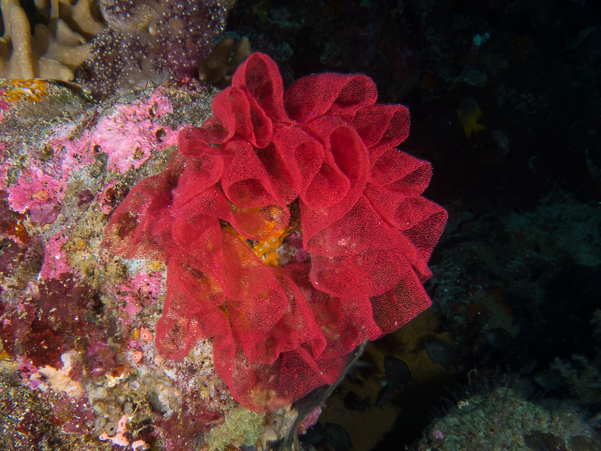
{"x": 317, "y": 161}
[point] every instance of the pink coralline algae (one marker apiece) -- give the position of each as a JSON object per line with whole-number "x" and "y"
{"x": 37, "y": 193}
{"x": 317, "y": 161}
{"x": 148, "y": 285}
{"x": 138, "y": 292}
{"x": 128, "y": 135}
{"x": 4, "y": 105}
{"x": 55, "y": 258}
{"x": 132, "y": 308}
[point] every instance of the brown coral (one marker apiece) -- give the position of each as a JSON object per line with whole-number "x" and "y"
{"x": 227, "y": 54}
{"x": 58, "y": 44}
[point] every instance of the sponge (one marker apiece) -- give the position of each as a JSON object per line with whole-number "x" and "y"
{"x": 241, "y": 427}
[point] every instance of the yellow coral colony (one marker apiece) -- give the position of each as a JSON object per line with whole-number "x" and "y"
{"x": 55, "y": 50}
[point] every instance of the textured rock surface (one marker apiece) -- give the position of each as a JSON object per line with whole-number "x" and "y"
{"x": 151, "y": 41}
{"x": 77, "y": 323}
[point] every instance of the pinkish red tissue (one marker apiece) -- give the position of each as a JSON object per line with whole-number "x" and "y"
{"x": 55, "y": 258}
{"x": 317, "y": 163}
